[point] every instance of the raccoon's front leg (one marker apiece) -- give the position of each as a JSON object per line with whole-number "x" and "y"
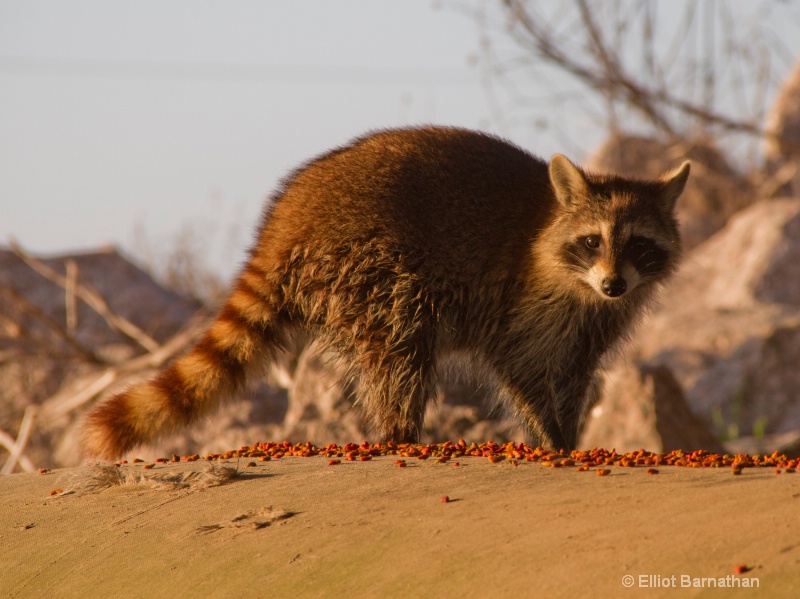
{"x": 576, "y": 397}
{"x": 527, "y": 398}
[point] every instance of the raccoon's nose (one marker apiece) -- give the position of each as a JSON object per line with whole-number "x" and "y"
{"x": 614, "y": 286}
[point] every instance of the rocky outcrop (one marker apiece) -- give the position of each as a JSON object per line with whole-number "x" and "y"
{"x": 644, "y": 407}
{"x": 782, "y": 145}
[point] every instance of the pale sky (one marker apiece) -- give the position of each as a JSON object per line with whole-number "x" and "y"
{"x": 160, "y": 115}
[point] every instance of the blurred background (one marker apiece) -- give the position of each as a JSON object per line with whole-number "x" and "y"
{"x": 140, "y": 141}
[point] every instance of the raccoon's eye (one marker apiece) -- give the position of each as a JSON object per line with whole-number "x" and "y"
{"x": 592, "y": 242}
{"x": 638, "y": 244}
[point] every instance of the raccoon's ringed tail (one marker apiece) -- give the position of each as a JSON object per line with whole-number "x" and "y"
{"x": 194, "y": 385}
{"x": 121, "y": 422}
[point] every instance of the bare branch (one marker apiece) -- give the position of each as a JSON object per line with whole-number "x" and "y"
{"x": 51, "y": 325}
{"x": 607, "y": 80}
{"x": 17, "y": 447}
{"x": 592, "y": 53}
{"x": 90, "y": 386}
{"x": 70, "y": 302}
{"x": 92, "y": 299}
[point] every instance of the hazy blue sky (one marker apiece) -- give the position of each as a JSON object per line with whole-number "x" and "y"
{"x": 161, "y": 114}
{"x": 155, "y": 115}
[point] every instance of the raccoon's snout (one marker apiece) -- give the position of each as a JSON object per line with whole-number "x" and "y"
{"x": 614, "y": 286}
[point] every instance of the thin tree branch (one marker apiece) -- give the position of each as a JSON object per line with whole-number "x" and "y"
{"x": 17, "y": 447}
{"x": 604, "y": 72}
{"x": 90, "y": 386}
{"x": 70, "y": 302}
{"x": 52, "y": 325}
{"x": 92, "y": 299}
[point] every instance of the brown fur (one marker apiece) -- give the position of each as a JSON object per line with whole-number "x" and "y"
{"x": 411, "y": 245}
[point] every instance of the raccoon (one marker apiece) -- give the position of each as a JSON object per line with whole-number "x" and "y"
{"x": 409, "y": 246}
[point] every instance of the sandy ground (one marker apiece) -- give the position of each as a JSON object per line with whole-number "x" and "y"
{"x": 371, "y": 529}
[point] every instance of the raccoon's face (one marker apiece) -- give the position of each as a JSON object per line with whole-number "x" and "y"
{"x": 613, "y": 258}
{"x": 615, "y": 235}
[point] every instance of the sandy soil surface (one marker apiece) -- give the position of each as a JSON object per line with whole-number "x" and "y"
{"x": 371, "y": 529}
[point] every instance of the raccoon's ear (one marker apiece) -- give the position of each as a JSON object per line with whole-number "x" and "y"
{"x": 568, "y": 180}
{"x": 672, "y": 185}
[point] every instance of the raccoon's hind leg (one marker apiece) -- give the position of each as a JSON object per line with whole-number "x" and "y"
{"x": 395, "y": 391}
{"x": 364, "y": 301}
{"x": 392, "y": 347}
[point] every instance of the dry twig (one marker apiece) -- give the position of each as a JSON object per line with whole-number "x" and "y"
{"x": 77, "y": 393}
{"x": 93, "y": 299}
{"x": 17, "y": 447}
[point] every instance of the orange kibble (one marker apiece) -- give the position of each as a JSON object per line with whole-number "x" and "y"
{"x": 333, "y": 462}
{"x": 445, "y": 499}
{"x": 512, "y": 453}
{"x": 456, "y": 464}
{"x": 250, "y": 465}
{"x": 43, "y": 471}
{"x": 740, "y": 569}
{"x": 55, "y": 492}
